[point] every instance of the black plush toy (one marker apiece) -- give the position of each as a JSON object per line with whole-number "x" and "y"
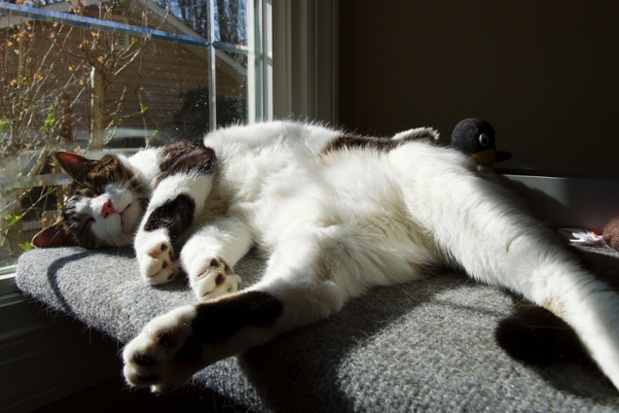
{"x": 476, "y": 138}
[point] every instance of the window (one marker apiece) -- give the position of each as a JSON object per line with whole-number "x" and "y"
{"x": 94, "y": 76}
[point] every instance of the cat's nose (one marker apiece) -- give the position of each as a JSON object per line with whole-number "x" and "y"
{"x": 107, "y": 209}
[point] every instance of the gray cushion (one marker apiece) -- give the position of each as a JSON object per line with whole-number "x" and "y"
{"x": 421, "y": 346}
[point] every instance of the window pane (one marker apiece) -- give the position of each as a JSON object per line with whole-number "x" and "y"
{"x": 192, "y": 13}
{"x": 231, "y": 21}
{"x": 231, "y": 87}
{"x": 230, "y": 17}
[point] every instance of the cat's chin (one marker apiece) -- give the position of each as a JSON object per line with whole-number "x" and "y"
{"x": 116, "y": 230}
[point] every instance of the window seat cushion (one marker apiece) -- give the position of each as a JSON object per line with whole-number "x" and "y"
{"x": 423, "y": 346}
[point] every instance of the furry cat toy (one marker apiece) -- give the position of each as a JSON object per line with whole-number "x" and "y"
{"x": 334, "y": 214}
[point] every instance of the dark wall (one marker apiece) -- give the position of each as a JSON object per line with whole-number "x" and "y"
{"x": 544, "y": 73}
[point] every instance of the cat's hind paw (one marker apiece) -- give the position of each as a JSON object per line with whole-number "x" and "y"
{"x": 211, "y": 278}
{"x": 174, "y": 346}
{"x": 165, "y": 354}
{"x": 157, "y": 262}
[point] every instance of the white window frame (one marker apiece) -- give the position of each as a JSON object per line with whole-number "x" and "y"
{"x": 305, "y": 69}
{"x": 297, "y": 72}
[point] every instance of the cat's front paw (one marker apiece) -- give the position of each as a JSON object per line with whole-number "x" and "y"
{"x": 165, "y": 354}
{"x": 211, "y": 278}
{"x": 157, "y": 261}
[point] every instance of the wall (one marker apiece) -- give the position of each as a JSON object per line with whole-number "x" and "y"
{"x": 544, "y": 73}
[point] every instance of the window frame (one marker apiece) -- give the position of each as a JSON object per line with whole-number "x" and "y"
{"x": 305, "y": 65}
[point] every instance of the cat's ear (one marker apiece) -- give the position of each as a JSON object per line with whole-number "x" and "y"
{"x": 53, "y": 236}
{"x": 75, "y": 165}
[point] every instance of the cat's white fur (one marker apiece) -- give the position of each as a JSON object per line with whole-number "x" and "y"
{"x": 334, "y": 225}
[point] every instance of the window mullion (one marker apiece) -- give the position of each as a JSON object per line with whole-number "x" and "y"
{"x": 212, "y": 90}
{"x": 230, "y": 47}
{"x": 267, "y": 61}
{"x": 255, "y": 62}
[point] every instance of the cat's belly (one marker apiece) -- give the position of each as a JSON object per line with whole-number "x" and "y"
{"x": 355, "y": 209}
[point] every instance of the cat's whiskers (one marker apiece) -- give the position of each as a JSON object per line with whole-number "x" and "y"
{"x": 130, "y": 181}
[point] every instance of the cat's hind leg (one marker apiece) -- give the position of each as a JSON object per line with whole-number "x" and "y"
{"x": 479, "y": 227}
{"x": 174, "y": 346}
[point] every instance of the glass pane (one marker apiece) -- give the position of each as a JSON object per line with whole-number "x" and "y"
{"x": 192, "y": 13}
{"x": 230, "y": 17}
{"x": 231, "y": 21}
{"x": 231, "y": 88}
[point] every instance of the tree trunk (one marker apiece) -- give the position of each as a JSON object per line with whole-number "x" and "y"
{"x": 97, "y": 126}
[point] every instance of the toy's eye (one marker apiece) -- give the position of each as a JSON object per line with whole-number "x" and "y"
{"x": 484, "y": 140}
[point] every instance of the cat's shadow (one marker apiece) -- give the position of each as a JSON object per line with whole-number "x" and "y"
{"x": 313, "y": 369}
{"x": 71, "y": 256}
{"x": 301, "y": 370}
{"x": 577, "y": 374}
{"x": 305, "y": 370}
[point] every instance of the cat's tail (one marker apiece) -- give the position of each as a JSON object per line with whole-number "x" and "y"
{"x": 477, "y": 225}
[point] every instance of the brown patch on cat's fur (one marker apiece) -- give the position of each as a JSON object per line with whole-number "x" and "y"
{"x": 360, "y": 142}
{"x": 379, "y": 144}
{"x": 186, "y": 157}
{"x": 218, "y": 320}
{"x": 176, "y": 215}
{"x": 108, "y": 170}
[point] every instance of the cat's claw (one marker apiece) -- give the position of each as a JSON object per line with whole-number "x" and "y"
{"x": 157, "y": 263}
{"x": 165, "y": 354}
{"x": 211, "y": 278}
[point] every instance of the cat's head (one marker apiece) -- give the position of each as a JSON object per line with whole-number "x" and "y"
{"x": 104, "y": 206}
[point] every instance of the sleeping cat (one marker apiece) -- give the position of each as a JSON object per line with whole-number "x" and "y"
{"x": 334, "y": 214}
